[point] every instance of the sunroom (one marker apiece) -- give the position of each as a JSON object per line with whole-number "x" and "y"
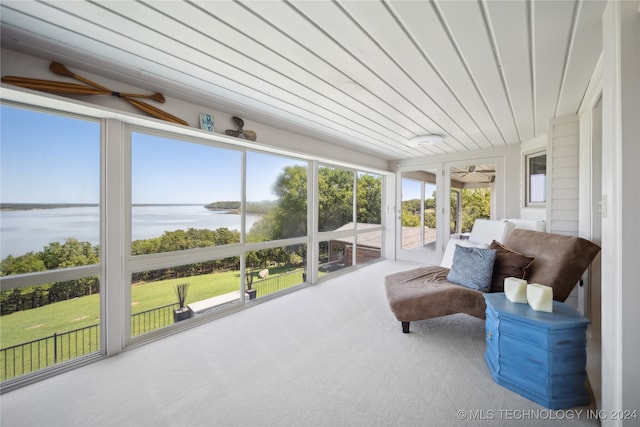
{"x": 298, "y": 144}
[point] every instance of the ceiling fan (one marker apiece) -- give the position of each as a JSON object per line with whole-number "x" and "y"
{"x": 240, "y": 133}
{"x": 471, "y": 170}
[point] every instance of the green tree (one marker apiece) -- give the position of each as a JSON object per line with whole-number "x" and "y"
{"x": 410, "y": 218}
{"x": 179, "y": 240}
{"x": 263, "y": 229}
{"x": 27, "y": 263}
{"x": 476, "y": 203}
{"x": 290, "y": 215}
{"x": 72, "y": 253}
{"x": 335, "y": 198}
{"x": 369, "y": 199}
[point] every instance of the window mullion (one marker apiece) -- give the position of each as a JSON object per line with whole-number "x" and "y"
{"x": 313, "y": 222}
{"x": 116, "y": 175}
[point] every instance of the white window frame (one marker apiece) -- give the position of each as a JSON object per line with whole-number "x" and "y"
{"x": 527, "y": 179}
{"x": 64, "y": 274}
{"x": 116, "y": 263}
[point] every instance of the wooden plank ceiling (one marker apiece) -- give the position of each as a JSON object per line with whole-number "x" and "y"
{"x": 366, "y": 74}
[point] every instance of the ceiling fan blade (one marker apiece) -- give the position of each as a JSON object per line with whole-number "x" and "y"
{"x": 232, "y": 132}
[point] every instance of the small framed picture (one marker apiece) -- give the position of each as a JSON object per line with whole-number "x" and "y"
{"x": 206, "y": 122}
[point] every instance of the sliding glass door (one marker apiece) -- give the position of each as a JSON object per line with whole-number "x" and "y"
{"x": 436, "y": 201}
{"x": 471, "y": 190}
{"x": 419, "y": 213}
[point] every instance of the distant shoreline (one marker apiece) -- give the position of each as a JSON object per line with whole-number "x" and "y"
{"x": 32, "y": 206}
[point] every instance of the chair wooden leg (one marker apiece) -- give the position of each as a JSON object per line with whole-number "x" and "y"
{"x": 405, "y": 327}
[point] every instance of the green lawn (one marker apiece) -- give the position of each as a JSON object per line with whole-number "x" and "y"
{"x": 24, "y": 326}
{"x": 156, "y": 294}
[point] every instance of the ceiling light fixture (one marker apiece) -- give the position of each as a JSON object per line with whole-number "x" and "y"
{"x": 424, "y": 140}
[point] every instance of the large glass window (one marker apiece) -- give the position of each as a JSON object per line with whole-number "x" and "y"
{"x": 184, "y": 195}
{"x": 275, "y": 269}
{"x": 369, "y": 198}
{"x": 50, "y": 216}
{"x": 368, "y": 216}
{"x": 335, "y": 199}
{"x": 162, "y": 297}
{"x": 351, "y": 221}
{"x": 277, "y": 195}
{"x": 202, "y": 237}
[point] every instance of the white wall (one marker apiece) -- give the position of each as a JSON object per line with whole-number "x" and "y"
{"x": 621, "y": 202}
{"x": 590, "y": 296}
{"x": 562, "y": 145}
{"x": 563, "y": 186}
{"x": 563, "y": 176}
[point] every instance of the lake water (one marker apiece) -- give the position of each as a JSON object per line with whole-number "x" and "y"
{"x": 31, "y": 230}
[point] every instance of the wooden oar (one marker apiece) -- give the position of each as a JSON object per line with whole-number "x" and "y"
{"x": 94, "y": 89}
{"x": 76, "y": 89}
{"x": 155, "y": 112}
{"x": 60, "y": 69}
{"x": 53, "y": 86}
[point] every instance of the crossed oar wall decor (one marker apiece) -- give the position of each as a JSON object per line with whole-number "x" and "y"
{"x": 93, "y": 89}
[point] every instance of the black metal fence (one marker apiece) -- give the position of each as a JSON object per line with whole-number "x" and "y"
{"x": 38, "y": 354}
{"x": 277, "y": 283}
{"x": 152, "y": 319}
{"x": 31, "y": 356}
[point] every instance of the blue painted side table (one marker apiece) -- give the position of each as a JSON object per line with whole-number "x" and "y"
{"x": 540, "y": 355}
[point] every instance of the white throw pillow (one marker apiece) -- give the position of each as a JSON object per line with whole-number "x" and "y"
{"x": 447, "y": 259}
{"x": 488, "y": 230}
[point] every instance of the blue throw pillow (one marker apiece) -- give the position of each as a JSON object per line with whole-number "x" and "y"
{"x": 472, "y": 267}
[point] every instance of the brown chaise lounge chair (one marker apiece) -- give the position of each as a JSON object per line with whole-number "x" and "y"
{"x": 424, "y": 293}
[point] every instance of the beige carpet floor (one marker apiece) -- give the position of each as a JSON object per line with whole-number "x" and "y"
{"x": 328, "y": 355}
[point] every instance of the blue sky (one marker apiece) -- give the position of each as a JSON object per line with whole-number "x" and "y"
{"x": 411, "y": 189}
{"x": 46, "y": 158}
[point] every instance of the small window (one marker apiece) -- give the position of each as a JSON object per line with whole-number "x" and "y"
{"x": 536, "y": 190}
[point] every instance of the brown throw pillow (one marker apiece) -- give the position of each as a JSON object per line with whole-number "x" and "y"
{"x": 508, "y": 264}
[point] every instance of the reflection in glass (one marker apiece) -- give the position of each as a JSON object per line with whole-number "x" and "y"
{"x": 471, "y": 188}
{"x": 277, "y": 193}
{"x": 369, "y": 247}
{"x": 334, "y": 255}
